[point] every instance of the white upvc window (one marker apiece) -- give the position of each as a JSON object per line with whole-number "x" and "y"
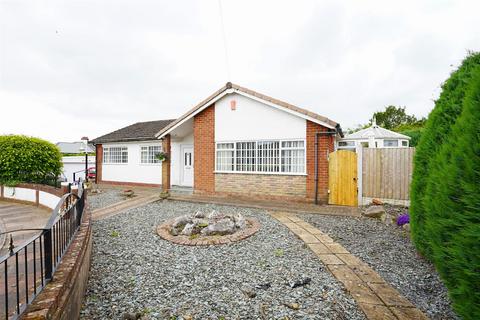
{"x": 115, "y": 155}
{"x": 263, "y": 156}
{"x": 225, "y": 156}
{"x": 148, "y": 154}
{"x": 404, "y": 143}
{"x": 390, "y": 143}
{"x": 293, "y": 156}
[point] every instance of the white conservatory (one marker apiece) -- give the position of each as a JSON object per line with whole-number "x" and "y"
{"x": 373, "y": 137}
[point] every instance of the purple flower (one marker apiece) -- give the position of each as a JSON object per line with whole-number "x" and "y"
{"x": 403, "y": 219}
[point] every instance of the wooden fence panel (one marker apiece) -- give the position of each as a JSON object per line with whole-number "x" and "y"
{"x": 387, "y": 173}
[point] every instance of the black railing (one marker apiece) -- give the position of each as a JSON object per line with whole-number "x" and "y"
{"x": 30, "y": 266}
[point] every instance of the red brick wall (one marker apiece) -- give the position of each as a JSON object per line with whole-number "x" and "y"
{"x": 98, "y": 162}
{"x": 325, "y": 145}
{"x": 204, "y": 151}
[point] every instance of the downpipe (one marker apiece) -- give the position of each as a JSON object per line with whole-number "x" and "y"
{"x": 317, "y": 135}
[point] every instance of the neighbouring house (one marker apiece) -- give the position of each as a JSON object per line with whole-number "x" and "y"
{"x": 73, "y": 159}
{"x": 237, "y": 142}
{"x": 74, "y": 147}
{"x": 373, "y": 137}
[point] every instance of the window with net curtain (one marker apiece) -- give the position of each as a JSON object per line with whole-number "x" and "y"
{"x": 115, "y": 155}
{"x": 265, "y": 156}
{"x": 148, "y": 154}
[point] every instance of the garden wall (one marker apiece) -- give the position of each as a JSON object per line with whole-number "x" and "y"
{"x": 40, "y": 195}
{"x": 62, "y": 298}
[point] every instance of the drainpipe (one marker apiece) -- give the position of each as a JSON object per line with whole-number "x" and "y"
{"x": 317, "y": 134}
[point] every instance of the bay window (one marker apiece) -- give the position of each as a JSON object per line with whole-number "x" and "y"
{"x": 263, "y": 156}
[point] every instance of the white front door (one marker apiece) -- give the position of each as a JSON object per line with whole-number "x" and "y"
{"x": 187, "y": 166}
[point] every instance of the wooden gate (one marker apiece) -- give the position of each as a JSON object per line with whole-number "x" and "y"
{"x": 342, "y": 178}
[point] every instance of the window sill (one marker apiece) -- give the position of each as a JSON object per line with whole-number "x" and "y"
{"x": 114, "y": 164}
{"x": 264, "y": 173}
{"x": 150, "y": 164}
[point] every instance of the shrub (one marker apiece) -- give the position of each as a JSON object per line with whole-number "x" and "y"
{"x": 414, "y": 135}
{"x": 452, "y": 206}
{"x": 27, "y": 159}
{"x": 437, "y": 128}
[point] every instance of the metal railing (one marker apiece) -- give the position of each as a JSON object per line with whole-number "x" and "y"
{"x": 26, "y": 269}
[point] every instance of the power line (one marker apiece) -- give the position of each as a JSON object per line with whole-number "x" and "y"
{"x": 227, "y": 64}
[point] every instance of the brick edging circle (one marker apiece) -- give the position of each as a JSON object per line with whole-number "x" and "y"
{"x": 163, "y": 231}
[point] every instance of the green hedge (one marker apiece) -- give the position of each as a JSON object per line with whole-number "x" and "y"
{"x": 27, "y": 159}
{"x": 452, "y": 207}
{"x": 414, "y": 135}
{"x": 437, "y": 129}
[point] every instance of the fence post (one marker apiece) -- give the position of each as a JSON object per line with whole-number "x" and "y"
{"x": 47, "y": 244}
{"x": 360, "y": 174}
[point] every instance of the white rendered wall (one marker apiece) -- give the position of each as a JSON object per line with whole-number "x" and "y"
{"x": 177, "y": 163}
{"x": 48, "y": 199}
{"x": 74, "y": 164}
{"x": 20, "y": 194}
{"x": 253, "y": 120}
{"x": 133, "y": 171}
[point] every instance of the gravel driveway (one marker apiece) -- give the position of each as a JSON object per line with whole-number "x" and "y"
{"x": 105, "y": 198}
{"x": 134, "y": 270}
{"x": 389, "y": 251}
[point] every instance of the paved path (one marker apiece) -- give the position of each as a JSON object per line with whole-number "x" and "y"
{"x": 122, "y": 206}
{"x": 376, "y": 298}
{"x": 20, "y": 216}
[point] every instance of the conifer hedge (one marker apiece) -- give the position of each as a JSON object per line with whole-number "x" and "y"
{"x": 27, "y": 159}
{"x": 445, "y": 199}
{"x": 437, "y": 129}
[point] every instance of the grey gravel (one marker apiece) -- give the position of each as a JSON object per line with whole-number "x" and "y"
{"x": 105, "y": 198}
{"x": 134, "y": 270}
{"x": 389, "y": 251}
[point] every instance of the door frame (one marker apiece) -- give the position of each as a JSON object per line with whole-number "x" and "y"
{"x": 182, "y": 166}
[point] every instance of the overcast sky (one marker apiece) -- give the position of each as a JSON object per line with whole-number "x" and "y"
{"x": 84, "y": 68}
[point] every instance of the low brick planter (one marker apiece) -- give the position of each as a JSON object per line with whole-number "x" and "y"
{"x": 163, "y": 231}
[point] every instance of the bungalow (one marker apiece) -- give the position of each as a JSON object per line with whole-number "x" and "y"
{"x": 237, "y": 142}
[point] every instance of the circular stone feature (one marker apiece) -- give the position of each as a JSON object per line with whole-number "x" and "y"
{"x": 207, "y": 229}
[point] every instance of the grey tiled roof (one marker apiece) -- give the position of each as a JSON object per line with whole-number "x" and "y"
{"x": 73, "y": 147}
{"x": 139, "y": 131}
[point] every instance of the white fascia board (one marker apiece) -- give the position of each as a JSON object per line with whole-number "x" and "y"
{"x": 206, "y": 105}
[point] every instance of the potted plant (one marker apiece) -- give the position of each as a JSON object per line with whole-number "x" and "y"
{"x": 161, "y": 156}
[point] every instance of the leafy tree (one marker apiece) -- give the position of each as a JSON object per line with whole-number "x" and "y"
{"x": 437, "y": 129}
{"x": 452, "y": 206}
{"x": 394, "y": 117}
{"x": 27, "y": 159}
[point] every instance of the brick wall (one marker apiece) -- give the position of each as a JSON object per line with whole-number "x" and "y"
{"x": 204, "y": 151}
{"x": 62, "y": 297}
{"x": 98, "y": 162}
{"x": 325, "y": 145}
{"x": 285, "y": 187}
